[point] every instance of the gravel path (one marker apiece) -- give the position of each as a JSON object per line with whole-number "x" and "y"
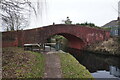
{"x": 52, "y": 65}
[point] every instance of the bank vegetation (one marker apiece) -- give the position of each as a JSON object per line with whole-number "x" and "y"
{"x": 108, "y": 47}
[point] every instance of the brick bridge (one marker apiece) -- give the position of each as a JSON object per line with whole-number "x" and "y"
{"x": 78, "y": 36}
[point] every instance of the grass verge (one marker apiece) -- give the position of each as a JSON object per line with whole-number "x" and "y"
{"x": 18, "y": 63}
{"x": 71, "y": 68}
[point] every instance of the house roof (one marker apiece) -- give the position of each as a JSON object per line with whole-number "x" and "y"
{"x": 111, "y": 23}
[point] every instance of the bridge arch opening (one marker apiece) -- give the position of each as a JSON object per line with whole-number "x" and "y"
{"x": 72, "y": 41}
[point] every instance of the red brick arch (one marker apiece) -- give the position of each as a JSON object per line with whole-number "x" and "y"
{"x": 78, "y": 36}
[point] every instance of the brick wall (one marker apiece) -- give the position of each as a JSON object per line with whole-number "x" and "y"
{"x": 77, "y": 34}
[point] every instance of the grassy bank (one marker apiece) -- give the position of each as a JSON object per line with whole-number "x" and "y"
{"x": 18, "y": 63}
{"x": 71, "y": 68}
{"x": 109, "y": 47}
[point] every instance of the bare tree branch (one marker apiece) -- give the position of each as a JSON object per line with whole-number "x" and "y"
{"x": 15, "y": 14}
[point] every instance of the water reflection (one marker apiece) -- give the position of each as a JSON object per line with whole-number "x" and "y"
{"x": 101, "y": 66}
{"x": 115, "y": 71}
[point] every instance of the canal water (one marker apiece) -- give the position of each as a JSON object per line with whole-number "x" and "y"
{"x": 100, "y": 66}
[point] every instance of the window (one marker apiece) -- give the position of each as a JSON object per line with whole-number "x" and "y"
{"x": 116, "y": 32}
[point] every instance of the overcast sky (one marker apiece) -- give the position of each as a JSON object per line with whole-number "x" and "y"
{"x": 99, "y": 12}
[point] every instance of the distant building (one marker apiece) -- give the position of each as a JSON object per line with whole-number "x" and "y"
{"x": 113, "y": 25}
{"x": 119, "y": 18}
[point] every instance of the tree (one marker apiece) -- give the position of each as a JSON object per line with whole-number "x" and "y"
{"x": 13, "y": 21}
{"x": 67, "y": 21}
{"x": 15, "y": 13}
{"x": 87, "y": 24}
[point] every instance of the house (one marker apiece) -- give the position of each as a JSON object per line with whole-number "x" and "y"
{"x": 113, "y": 26}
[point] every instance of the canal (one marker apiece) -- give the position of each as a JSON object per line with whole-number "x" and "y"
{"x": 100, "y": 66}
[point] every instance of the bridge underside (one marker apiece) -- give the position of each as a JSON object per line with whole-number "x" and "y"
{"x": 73, "y": 41}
